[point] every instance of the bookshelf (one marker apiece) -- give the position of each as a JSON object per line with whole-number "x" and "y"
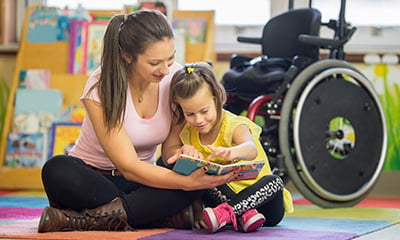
{"x": 200, "y": 51}
{"x": 54, "y": 56}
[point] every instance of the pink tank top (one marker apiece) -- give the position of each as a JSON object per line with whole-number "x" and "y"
{"x": 145, "y": 134}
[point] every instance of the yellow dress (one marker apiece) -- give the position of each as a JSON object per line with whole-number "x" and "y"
{"x": 230, "y": 122}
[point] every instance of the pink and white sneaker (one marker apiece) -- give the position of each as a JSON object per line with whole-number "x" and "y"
{"x": 251, "y": 220}
{"x": 216, "y": 218}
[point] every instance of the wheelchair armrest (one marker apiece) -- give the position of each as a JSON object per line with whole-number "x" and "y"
{"x": 249, "y": 40}
{"x": 325, "y": 43}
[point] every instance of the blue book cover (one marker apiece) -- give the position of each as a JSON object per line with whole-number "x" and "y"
{"x": 42, "y": 27}
{"x": 25, "y": 149}
{"x": 248, "y": 169}
{"x": 38, "y": 100}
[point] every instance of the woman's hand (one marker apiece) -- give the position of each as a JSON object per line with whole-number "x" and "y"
{"x": 199, "y": 179}
{"x": 187, "y": 150}
{"x": 198, "y": 214}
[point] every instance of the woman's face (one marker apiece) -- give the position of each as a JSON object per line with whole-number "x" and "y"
{"x": 200, "y": 110}
{"x": 153, "y": 65}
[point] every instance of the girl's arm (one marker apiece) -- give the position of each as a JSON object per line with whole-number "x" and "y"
{"x": 173, "y": 147}
{"x": 120, "y": 150}
{"x": 244, "y": 149}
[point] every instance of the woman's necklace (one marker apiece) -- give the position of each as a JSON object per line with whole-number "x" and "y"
{"x": 140, "y": 99}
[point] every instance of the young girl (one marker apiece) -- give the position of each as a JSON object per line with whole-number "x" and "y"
{"x": 220, "y": 136}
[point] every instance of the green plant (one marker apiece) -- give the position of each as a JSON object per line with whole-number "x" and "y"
{"x": 390, "y": 102}
{"x": 4, "y": 93}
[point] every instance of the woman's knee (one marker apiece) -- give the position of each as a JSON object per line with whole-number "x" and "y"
{"x": 59, "y": 166}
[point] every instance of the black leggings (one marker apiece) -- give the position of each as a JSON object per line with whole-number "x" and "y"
{"x": 71, "y": 184}
{"x": 266, "y": 195}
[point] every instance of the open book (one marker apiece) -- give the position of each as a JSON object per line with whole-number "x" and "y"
{"x": 248, "y": 169}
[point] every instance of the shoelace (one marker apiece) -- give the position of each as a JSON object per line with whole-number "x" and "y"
{"x": 87, "y": 221}
{"x": 232, "y": 216}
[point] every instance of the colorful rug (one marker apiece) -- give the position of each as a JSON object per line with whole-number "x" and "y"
{"x": 20, "y": 212}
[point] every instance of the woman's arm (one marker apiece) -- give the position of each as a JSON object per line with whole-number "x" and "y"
{"x": 244, "y": 149}
{"x": 120, "y": 150}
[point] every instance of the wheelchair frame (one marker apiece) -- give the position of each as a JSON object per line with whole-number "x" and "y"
{"x": 327, "y": 115}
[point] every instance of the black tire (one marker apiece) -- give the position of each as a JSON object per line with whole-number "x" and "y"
{"x": 327, "y": 92}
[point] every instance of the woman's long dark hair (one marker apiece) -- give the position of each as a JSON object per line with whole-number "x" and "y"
{"x": 128, "y": 34}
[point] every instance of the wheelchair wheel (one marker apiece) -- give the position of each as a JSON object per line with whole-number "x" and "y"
{"x": 332, "y": 134}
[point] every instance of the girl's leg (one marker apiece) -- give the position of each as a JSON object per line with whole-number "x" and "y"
{"x": 266, "y": 196}
{"x": 273, "y": 210}
{"x": 256, "y": 195}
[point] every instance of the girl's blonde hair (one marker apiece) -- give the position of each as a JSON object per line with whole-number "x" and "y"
{"x": 188, "y": 80}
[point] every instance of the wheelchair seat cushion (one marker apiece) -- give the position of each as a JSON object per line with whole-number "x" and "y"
{"x": 251, "y": 80}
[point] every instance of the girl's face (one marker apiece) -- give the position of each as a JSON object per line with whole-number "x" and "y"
{"x": 153, "y": 65}
{"x": 199, "y": 110}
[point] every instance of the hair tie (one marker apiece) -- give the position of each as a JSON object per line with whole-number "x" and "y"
{"x": 124, "y": 18}
{"x": 189, "y": 70}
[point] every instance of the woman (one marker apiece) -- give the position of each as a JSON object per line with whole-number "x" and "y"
{"x": 109, "y": 180}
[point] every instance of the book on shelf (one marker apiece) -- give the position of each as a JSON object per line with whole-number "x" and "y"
{"x": 195, "y": 28}
{"x": 42, "y": 27}
{"x": 248, "y": 169}
{"x": 76, "y": 46}
{"x": 92, "y": 40}
{"x": 34, "y": 78}
{"x": 63, "y": 136}
{"x": 25, "y": 149}
{"x": 38, "y": 100}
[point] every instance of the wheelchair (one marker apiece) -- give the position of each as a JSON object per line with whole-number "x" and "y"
{"x": 323, "y": 124}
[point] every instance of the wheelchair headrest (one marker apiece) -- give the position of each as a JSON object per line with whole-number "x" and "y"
{"x": 280, "y": 34}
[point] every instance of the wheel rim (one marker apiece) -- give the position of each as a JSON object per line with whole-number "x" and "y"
{"x": 349, "y": 103}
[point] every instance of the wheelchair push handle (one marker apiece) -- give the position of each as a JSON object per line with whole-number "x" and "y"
{"x": 327, "y": 43}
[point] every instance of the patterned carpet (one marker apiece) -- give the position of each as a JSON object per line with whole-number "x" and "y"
{"x": 20, "y": 212}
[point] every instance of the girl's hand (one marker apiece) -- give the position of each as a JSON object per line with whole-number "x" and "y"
{"x": 200, "y": 180}
{"x": 221, "y": 152}
{"x": 187, "y": 150}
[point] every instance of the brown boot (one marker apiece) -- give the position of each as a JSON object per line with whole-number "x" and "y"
{"x": 111, "y": 216}
{"x": 182, "y": 220}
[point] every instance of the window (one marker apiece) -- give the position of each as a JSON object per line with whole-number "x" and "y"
{"x": 232, "y": 12}
{"x": 376, "y": 13}
{"x": 98, "y": 5}
{"x": 227, "y": 12}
